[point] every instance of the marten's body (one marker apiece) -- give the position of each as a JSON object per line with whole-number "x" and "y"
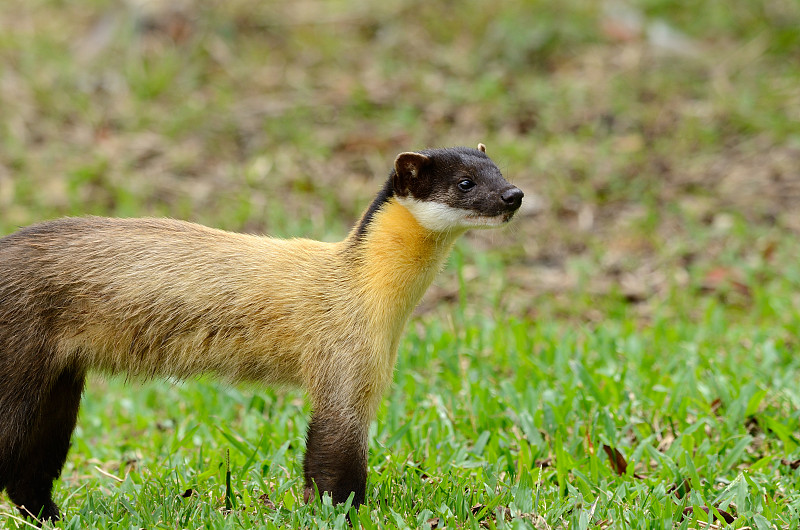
{"x": 159, "y": 297}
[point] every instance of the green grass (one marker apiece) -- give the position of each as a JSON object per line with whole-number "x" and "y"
{"x": 494, "y": 423}
{"x": 650, "y": 312}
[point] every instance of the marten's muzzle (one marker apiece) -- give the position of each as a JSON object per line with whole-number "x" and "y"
{"x": 513, "y": 198}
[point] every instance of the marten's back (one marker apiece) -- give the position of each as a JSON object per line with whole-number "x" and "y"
{"x": 161, "y": 296}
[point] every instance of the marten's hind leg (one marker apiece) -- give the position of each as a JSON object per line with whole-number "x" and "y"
{"x": 20, "y": 395}
{"x": 45, "y": 446}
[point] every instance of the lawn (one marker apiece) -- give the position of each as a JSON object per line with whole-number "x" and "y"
{"x": 624, "y": 355}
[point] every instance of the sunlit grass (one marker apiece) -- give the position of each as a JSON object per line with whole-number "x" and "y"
{"x": 488, "y": 423}
{"x": 649, "y": 313}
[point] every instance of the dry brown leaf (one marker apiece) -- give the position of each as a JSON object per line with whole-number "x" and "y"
{"x": 727, "y": 517}
{"x": 793, "y": 464}
{"x": 616, "y": 459}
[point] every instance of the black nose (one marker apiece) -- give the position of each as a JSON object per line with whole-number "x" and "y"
{"x": 513, "y": 197}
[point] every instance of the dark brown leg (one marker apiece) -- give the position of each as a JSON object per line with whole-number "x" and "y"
{"x": 336, "y": 458}
{"x": 45, "y": 448}
{"x": 17, "y": 413}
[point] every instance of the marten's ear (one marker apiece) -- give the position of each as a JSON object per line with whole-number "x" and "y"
{"x": 407, "y": 167}
{"x": 481, "y": 148}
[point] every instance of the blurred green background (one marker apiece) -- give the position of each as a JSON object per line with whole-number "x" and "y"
{"x": 657, "y": 142}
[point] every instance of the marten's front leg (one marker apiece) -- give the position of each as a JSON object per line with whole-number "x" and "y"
{"x": 336, "y": 456}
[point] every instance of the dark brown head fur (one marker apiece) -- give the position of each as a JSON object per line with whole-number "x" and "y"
{"x": 457, "y": 177}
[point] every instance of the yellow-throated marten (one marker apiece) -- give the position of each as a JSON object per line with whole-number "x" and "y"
{"x": 151, "y": 297}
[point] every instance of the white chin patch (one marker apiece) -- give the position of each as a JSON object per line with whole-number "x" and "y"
{"x": 439, "y": 217}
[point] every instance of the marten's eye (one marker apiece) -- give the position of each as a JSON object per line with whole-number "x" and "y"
{"x": 465, "y": 184}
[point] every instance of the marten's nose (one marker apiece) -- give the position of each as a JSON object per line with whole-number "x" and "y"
{"x": 513, "y": 197}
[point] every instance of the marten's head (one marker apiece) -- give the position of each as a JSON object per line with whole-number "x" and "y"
{"x": 458, "y": 187}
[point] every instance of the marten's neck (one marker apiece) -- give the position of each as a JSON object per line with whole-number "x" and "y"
{"x": 396, "y": 259}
